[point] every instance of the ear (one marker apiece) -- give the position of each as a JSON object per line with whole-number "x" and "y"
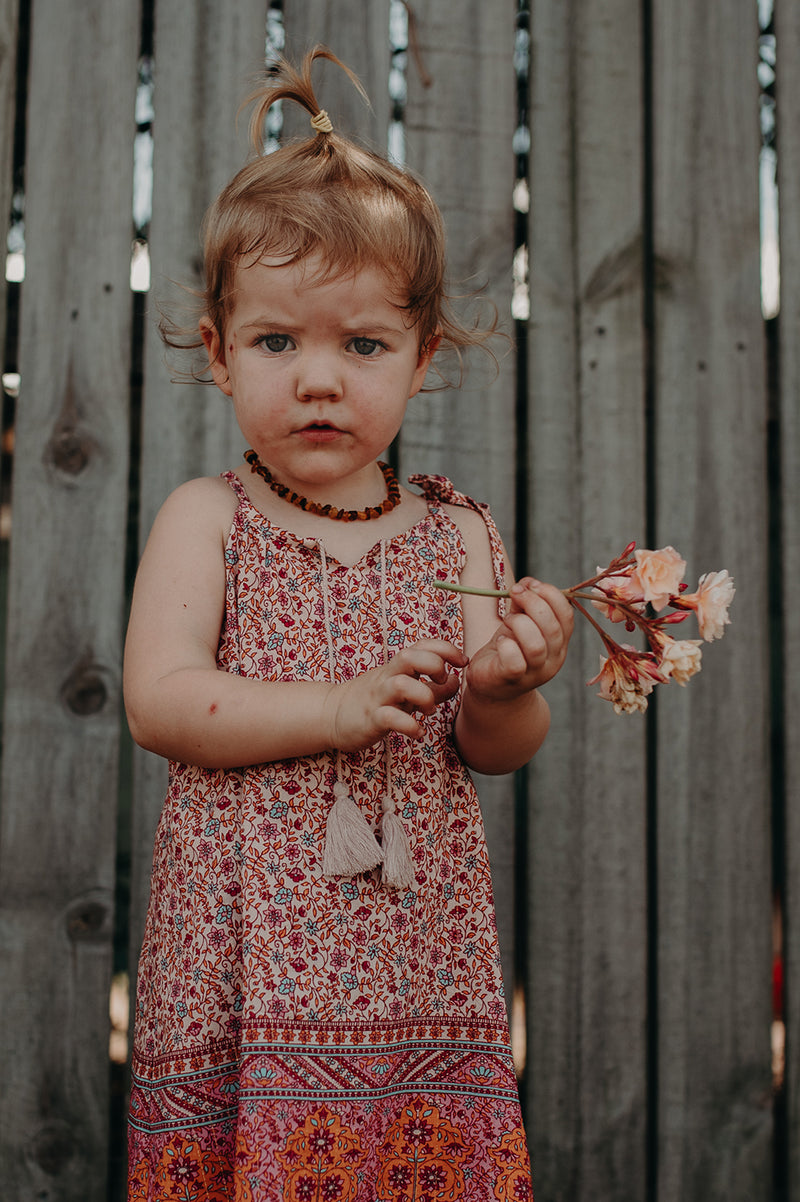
{"x": 215, "y": 349}
{"x": 426, "y": 353}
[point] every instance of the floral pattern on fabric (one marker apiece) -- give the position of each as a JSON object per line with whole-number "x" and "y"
{"x": 290, "y": 1027}
{"x": 422, "y": 1157}
{"x": 511, "y": 1157}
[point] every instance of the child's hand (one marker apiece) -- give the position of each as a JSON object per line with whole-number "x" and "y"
{"x": 528, "y": 648}
{"x": 416, "y": 680}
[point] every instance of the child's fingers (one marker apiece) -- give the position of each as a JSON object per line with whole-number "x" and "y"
{"x": 428, "y": 657}
{"x": 543, "y": 601}
{"x": 412, "y": 693}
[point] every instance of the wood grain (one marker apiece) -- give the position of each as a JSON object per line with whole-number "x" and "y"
{"x": 586, "y": 903}
{"x": 59, "y": 779}
{"x": 714, "y": 879}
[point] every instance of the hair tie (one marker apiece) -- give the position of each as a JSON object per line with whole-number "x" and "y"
{"x": 322, "y": 122}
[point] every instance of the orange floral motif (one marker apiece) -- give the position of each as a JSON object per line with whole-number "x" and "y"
{"x": 138, "y": 1177}
{"x": 513, "y": 1182}
{"x": 421, "y": 1157}
{"x": 187, "y": 1172}
{"x": 321, "y": 1159}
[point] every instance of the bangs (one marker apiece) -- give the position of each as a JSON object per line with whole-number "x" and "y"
{"x": 347, "y": 220}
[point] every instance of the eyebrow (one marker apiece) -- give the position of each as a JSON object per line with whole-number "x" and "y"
{"x": 353, "y": 328}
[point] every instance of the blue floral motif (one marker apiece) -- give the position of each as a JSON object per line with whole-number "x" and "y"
{"x": 279, "y": 810}
{"x": 224, "y": 914}
{"x": 349, "y": 980}
{"x": 283, "y": 896}
{"x": 287, "y": 985}
{"x": 444, "y": 976}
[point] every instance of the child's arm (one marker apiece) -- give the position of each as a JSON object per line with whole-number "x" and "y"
{"x": 503, "y": 718}
{"x": 181, "y": 705}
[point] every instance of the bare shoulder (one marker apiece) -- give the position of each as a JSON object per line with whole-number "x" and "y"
{"x": 206, "y": 504}
{"x": 208, "y": 494}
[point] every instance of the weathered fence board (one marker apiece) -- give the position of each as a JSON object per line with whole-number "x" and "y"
{"x": 788, "y": 416}
{"x": 206, "y": 58}
{"x": 714, "y": 1103}
{"x": 9, "y": 29}
{"x": 460, "y": 120}
{"x": 61, "y": 732}
{"x": 586, "y": 1086}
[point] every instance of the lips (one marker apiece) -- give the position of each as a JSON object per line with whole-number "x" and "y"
{"x": 320, "y": 431}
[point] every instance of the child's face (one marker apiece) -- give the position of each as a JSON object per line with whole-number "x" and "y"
{"x": 319, "y": 371}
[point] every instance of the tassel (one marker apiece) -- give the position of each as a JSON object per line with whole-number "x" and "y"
{"x": 398, "y": 870}
{"x": 350, "y": 845}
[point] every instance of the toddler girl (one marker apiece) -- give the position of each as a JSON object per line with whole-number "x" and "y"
{"x": 319, "y": 1011}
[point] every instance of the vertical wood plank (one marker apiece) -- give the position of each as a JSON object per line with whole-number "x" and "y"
{"x": 206, "y": 59}
{"x": 459, "y": 132}
{"x": 59, "y": 778}
{"x": 714, "y": 1095}
{"x": 9, "y": 28}
{"x": 357, "y": 31}
{"x": 586, "y": 994}
{"x": 787, "y": 21}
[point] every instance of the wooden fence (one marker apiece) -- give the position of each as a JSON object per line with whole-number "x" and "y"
{"x": 642, "y": 865}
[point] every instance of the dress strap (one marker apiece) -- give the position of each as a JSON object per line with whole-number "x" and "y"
{"x": 236, "y": 485}
{"x": 438, "y": 490}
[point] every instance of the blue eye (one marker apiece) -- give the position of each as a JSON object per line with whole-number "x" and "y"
{"x": 366, "y": 346}
{"x": 275, "y": 343}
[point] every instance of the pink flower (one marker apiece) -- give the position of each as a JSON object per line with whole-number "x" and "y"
{"x": 619, "y": 588}
{"x": 680, "y": 658}
{"x": 660, "y": 574}
{"x": 627, "y": 677}
{"x": 714, "y": 594}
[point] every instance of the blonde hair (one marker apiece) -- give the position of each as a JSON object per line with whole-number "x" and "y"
{"x": 326, "y": 196}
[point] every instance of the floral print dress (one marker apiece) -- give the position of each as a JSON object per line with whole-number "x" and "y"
{"x": 303, "y": 1039}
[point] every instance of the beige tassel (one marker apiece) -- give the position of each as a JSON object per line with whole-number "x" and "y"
{"x": 350, "y": 845}
{"x": 398, "y": 870}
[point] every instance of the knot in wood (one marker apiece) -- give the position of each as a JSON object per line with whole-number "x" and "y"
{"x": 70, "y": 451}
{"x": 88, "y": 918}
{"x": 84, "y": 691}
{"x": 52, "y": 1146}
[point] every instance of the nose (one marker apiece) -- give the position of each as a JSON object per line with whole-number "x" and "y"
{"x": 319, "y": 375}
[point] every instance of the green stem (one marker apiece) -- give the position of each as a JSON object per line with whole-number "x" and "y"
{"x": 474, "y": 592}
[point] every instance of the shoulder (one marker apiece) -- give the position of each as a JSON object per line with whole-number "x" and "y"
{"x": 197, "y": 513}
{"x": 208, "y": 498}
{"x": 472, "y": 524}
{"x": 486, "y": 560}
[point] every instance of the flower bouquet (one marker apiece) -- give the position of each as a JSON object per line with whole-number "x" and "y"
{"x": 636, "y": 589}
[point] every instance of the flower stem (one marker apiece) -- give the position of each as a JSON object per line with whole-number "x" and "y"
{"x": 466, "y": 588}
